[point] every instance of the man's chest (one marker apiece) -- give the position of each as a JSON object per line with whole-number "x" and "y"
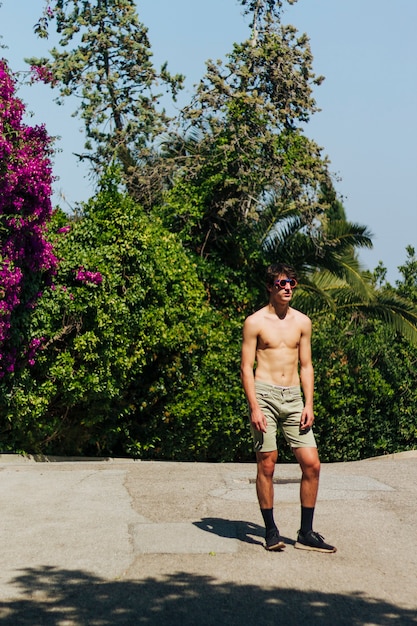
{"x": 279, "y": 335}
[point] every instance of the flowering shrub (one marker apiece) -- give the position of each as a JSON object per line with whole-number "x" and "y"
{"x": 85, "y": 276}
{"x": 25, "y": 209}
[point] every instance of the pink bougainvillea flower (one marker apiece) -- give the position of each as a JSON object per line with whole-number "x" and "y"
{"x": 25, "y": 210}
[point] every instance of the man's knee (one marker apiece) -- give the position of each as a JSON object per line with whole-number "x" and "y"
{"x": 308, "y": 460}
{"x": 266, "y": 463}
{"x": 313, "y": 469}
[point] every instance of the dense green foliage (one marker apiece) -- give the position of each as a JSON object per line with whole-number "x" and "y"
{"x": 365, "y": 389}
{"x": 131, "y": 351}
{"x": 139, "y": 335}
{"x": 136, "y": 361}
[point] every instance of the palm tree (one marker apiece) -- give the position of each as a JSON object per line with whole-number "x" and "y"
{"x": 331, "y": 276}
{"x": 324, "y": 252}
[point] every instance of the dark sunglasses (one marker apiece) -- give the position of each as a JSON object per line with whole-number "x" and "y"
{"x": 283, "y": 283}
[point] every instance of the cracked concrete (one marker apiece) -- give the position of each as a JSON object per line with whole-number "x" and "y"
{"x": 158, "y": 537}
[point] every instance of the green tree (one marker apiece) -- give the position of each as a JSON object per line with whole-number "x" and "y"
{"x": 407, "y": 286}
{"x": 110, "y": 71}
{"x": 130, "y": 349}
{"x": 245, "y": 157}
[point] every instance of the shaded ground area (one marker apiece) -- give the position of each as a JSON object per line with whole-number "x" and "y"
{"x": 55, "y": 597}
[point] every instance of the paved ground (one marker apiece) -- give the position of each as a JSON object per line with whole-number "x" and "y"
{"x": 111, "y": 543}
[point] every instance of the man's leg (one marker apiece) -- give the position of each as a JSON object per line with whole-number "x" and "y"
{"x": 265, "y": 491}
{"x": 309, "y": 462}
{"x": 264, "y": 479}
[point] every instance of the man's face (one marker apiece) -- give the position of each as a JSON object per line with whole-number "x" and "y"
{"x": 283, "y": 288}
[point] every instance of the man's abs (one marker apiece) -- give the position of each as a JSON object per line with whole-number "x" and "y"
{"x": 277, "y": 368}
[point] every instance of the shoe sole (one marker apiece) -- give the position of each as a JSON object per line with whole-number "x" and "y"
{"x": 277, "y": 546}
{"x": 302, "y": 546}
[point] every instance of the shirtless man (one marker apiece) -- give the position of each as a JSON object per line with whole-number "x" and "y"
{"x": 278, "y": 339}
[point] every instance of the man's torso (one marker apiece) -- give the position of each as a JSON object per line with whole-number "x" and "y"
{"x": 277, "y": 351}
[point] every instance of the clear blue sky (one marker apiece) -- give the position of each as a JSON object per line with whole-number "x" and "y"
{"x": 367, "y": 51}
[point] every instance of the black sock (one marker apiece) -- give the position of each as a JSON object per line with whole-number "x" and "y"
{"x": 268, "y": 515}
{"x": 307, "y": 514}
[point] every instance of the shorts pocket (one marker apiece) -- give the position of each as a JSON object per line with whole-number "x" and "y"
{"x": 263, "y": 394}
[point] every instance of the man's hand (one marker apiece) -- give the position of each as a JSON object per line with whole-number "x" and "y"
{"x": 258, "y": 420}
{"x": 307, "y": 418}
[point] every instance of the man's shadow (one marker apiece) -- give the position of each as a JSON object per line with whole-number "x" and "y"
{"x": 236, "y": 529}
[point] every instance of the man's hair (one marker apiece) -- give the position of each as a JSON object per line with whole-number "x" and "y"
{"x": 279, "y": 269}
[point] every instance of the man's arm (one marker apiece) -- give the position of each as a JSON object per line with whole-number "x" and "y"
{"x": 249, "y": 343}
{"x": 306, "y": 374}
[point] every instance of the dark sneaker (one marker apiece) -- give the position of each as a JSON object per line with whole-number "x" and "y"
{"x": 273, "y": 541}
{"x": 312, "y": 541}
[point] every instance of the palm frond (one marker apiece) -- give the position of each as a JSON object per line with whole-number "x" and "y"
{"x": 313, "y": 299}
{"x": 348, "y": 268}
{"x": 343, "y": 235}
{"x": 323, "y": 291}
{"x": 398, "y": 313}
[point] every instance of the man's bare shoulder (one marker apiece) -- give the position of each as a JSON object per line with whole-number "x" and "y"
{"x": 256, "y": 317}
{"x": 301, "y": 318}
{"x": 300, "y": 315}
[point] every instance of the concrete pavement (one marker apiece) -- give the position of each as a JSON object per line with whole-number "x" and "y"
{"x": 119, "y": 542}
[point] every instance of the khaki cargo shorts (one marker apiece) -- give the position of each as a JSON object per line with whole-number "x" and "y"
{"x": 282, "y": 407}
